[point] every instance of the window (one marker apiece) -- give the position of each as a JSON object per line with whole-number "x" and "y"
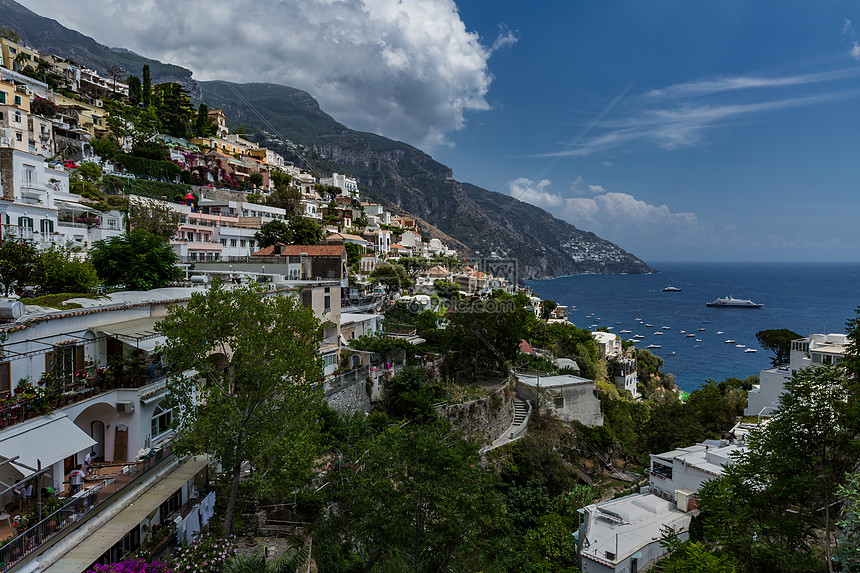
{"x": 243, "y": 243}
{"x": 46, "y": 226}
{"x": 5, "y": 378}
{"x": 232, "y": 242}
{"x": 29, "y": 176}
{"x": 2, "y": 97}
{"x": 19, "y": 136}
{"x": 329, "y": 360}
{"x": 25, "y": 222}
{"x": 18, "y": 101}
{"x": 327, "y": 302}
{"x": 559, "y": 402}
{"x": 161, "y": 419}
{"x": 18, "y": 118}
{"x": 223, "y": 242}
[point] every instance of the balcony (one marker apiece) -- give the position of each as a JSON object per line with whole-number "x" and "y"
{"x": 109, "y": 481}
{"x": 31, "y": 401}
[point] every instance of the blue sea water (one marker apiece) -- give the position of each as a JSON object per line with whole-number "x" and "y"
{"x": 804, "y": 297}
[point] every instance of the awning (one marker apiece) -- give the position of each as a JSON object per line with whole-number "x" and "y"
{"x": 49, "y": 439}
{"x": 139, "y": 332}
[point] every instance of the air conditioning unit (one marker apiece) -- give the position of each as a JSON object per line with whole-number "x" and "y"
{"x": 124, "y": 407}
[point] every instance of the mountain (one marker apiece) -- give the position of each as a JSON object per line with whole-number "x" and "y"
{"x": 489, "y": 226}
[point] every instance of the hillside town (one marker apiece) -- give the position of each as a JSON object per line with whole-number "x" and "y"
{"x": 369, "y": 337}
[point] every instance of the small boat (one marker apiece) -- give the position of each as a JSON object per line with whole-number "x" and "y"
{"x": 632, "y": 340}
{"x": 730, "y": 341}
{"x": 638, "y": 336}
{"x": 624, "y": 332}
{"x": 670, "y": 289}
{"x": 617, "y": 323}
{"x": 740, "y": 345}
{"x": 647, "y": 325}
{"x": 720, "y": 332}
{"x": 750, "y": 350}
{"x": 690, "y": 335}
{"x": 701, "y": 330}
{"x": 653, "y": 346}
{"x": 658, "y": 333}
{"x": 671, "y": 353}
{"x": 697, "y": 340}
{"x": 637, "y": 319}
{"x": 666, "y": 328}
{"x": 731, "y": 302}
{"x": 696, "y": 346}
{"x": 683, "y": 332}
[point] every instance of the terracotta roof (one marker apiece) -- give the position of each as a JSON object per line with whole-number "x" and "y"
{"x": 296, "y": 250}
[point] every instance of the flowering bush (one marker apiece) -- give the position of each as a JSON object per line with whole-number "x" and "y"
{"x": 89, "y": 220}
{"x": 133, "y": 566}
{"x": 207, "y": 554}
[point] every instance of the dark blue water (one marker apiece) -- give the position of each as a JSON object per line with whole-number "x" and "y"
{"x": 804, "y": 297}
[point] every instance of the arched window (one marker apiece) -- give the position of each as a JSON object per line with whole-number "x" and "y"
{"x": 161, "y": 419}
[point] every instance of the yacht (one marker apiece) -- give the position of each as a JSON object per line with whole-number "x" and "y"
{"x": 683, "y": 332}
{"x": 666, "y": 328}
{"x": 648, "y": 325}
{"x": 624, "y": 332}
{"x": 740, "y": 345}
{"x": 701, "y": 330}
{"x": 658, "y": 333}
{"x": 670, "y": 288}
{"x": 690, "y": 335}
{"x": 731, "y": 302}
{"x": 730, "y": 341}
{"x": 720, "y": 332}
{"x": 653, "y": 346}
{"x": 750, "y": 350}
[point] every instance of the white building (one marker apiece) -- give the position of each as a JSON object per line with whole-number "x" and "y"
{"x": 565, "y": 396}
{"x": 686, "y": 469}
{"x": 623, "y": 535}
{"x": 814, "y": 350}
{"x": 347, "y": 185}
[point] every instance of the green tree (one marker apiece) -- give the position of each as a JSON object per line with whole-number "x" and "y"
{"x": 408, "y": 395}
{"x": 107, "y": 149}
{"x": 353, "y": 255}
{"x": 89, "y": 171}
{"x": 413, "y": 499}
{"x": 769, "y": 505}
{"x": 273, "y": 232}
{"x": 146, "y": 88}
{"x": 256, "y": 179}
{"x": 134, "y": 89}
{"x": 62, "y": 272}
{"x": 288, "y": 562}
{"x": 203, "y": 125}
{"x": 153, "y": 216}
{"x": 281, "y": 178}
{"x": 256, "y": 362}
{"x": 138, "y": 260}
{"x": 392, "y": 276}
{"x": 8, "y": 33}
{"x": 447, "y": 289}
{"x": 18, "y": 264}
{"x": 305, "y": 231}
{"x": 286, "y": 197}
{"x": 175, "y": 112}
{"x": 848, "y": 552}
{"x": 777, "y": 341}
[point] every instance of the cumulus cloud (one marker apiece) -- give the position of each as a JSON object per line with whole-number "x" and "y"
{"x": 407, "y": 69}
{"x": 619, "y": 217}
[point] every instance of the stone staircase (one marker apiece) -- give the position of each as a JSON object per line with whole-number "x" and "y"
{"x": 517, "y": 429}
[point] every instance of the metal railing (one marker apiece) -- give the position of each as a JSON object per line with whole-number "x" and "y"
{"x": 78, "y": 506}
{"x": 346, "y": 379}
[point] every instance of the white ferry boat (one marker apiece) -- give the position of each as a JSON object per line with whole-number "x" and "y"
{"x": 731, "y": 302}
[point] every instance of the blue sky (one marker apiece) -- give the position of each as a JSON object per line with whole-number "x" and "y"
{"x": 737, "y": 137}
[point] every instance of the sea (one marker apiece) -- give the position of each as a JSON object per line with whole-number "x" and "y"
{"x": 807, "y": 298}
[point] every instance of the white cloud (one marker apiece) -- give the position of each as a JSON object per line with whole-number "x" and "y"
{"x": 618, "y": 217}
{"x": 506, "y": 37}
{"x": 727, "y": 84}
{"x": 848, "y": 28}
{"x": 855, "y": 50}
{"x": 407, "y": 69}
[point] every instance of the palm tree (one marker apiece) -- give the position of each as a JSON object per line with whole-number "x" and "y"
{"x": 289, "y": 562}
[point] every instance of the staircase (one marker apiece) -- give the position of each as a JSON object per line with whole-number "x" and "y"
{"x": 522, "y": 413}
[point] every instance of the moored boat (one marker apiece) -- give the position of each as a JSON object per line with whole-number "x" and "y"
{"x": 731, "y": 302}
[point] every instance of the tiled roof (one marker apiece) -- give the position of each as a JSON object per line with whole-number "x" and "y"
{"x": 296, "y": 250}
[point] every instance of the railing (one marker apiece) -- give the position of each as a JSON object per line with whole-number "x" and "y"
{"x": 74, "y": 510}
{"x": 15, "y": 411}
{"x": 347, "y": 379}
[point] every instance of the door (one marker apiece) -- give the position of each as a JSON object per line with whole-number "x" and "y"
{"x": 120, "y": 443}
{"x": 97, "y": 432}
